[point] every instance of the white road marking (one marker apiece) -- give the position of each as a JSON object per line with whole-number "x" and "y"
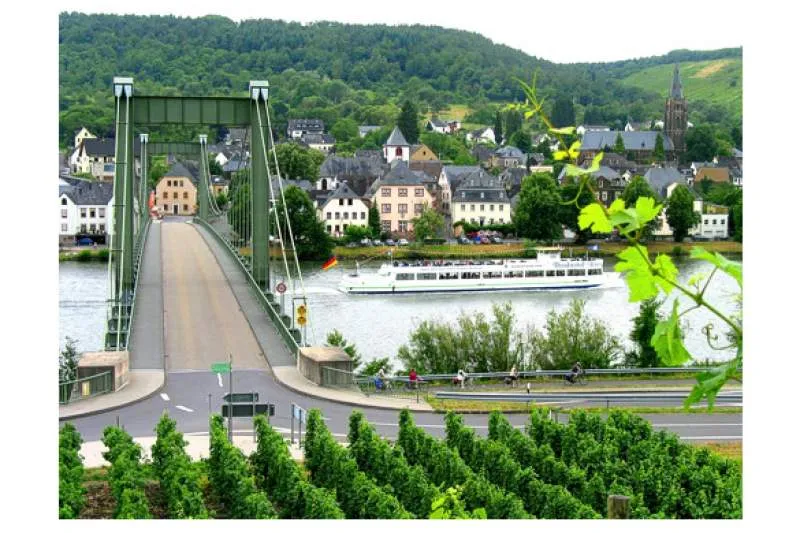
{"x": 182, "y": 408}
{"x": 219, "y": 379}
{"x": 164, "y": 397}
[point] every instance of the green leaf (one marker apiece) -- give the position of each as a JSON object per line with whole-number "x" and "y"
{"x": 709, "y": 383}
{"x": 665, "y": 271}
{"x": 647, "y": 209}
{"x": 639, "y": 277}
{"x": 569, "y": 130}
{"x": 595, "y": 163}
{"x": 560, "y": 155}
{"x": 593, "y": 215}
{"x": 616, "y": 206}
{"x": 668, "y": 340}
{"x": 732, "y": 268}
{"x": 695, "y": 280}
{"x": 626, "y": 219}
{"x": 575, "y": 170}
{"x": 574, "y": 150}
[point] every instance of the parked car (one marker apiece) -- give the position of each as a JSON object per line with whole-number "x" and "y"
{"x": 390, "y": 242}
{"x": 402, "y": 242}
{"x": 85, "y": 241}
{"x": 485, "y": 240}
{"x": 496, "y": 240}
{"x": 351, "y": 245}
{"x": 464, "y": 240}
{"x": 377, "y": 242}
{"x": 365, "y": 242}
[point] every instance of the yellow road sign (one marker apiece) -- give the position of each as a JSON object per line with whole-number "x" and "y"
{"x": 301, "y": 320}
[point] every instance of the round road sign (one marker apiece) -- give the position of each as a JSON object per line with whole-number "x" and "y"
{"x": 280, "y": 287}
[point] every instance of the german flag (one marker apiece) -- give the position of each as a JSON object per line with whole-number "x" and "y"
{"x": 330, "y": 263}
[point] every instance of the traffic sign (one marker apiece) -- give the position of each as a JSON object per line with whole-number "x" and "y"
{"x": 241, "y": 397}
{"x": 301, "y": 315}
{"x": 221, "y": 368}
{"x": 280, "y": 287}
{"x": 244, "y": 410}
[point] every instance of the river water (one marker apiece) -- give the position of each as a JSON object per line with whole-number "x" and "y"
{"x": 378, "y": 325}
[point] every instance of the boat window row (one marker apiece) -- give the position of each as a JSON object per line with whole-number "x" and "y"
{"x": 431, "y": 276}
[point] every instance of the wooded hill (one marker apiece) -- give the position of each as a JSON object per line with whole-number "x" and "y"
{"x": 331, "y": 70}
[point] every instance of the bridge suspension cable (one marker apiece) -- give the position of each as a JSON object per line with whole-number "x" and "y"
{"x": 285, "y": 213}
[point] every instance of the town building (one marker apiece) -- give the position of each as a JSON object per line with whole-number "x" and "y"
{"x": 396, "y": 147}
{"x": 508, "y": 157}
{"x": 342, "y": 208}
{"x": 85, "y": 210}
{"x": 714, "y": 223}
{"x": 481, "y": 199}
{"x": 420, "y": 152}
{"x": 639, "y": 145}
{"x": 482, "y": 135}
{"x": 321, "y": 142}
{"x": 449, "y": 179}
{"x": 96, "y": 157}
{"x": 400, "y": 196}
{"x": 676, "y": 114}
{"x": 176, "y": 191}
{"x": 297, "y": 127}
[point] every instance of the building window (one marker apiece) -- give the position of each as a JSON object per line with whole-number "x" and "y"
{"x": 185, "y": 207}
{"x": 386, "y": 191}
{"x": 481, "y": 196}
{"x": 185, "y": 195}
{"x": 328, "y": 227}
{"x": 463, "y": 207}
{"x": 63, "y": 201}
{"x": 349, "y": 201}
{"x": 501, "y": 207}
{"x": 337, "y": 215}
{"x": 169, "y": 183}
{"x": 63, "y": 228}
{"x": 386, "y": 226}
{"x": 166, "y": 195}
{"x": 328, "y": 215}
{"x": 345, "y": 215}
{"x": 102, "y": 228}
{"x": 418, "y": 209}
{"x": 419, "y": 191}
{"x": 101, "y": 212}
{"x": 386, "y": 208}
{"x": 174, "y": 196}
{"x": 705, "y": 222}
{"x": 483, "y": 207}
{"x": 83, "y": 228}
{"x": 180, "y": 183}
{"x": 92, "y": 227}
{"x": 344, "y": 228}
{"x": 63, "y": 213}
{"x": 714, "y": 221}
{"x": 491, "y": 207}
{"x": 402, "y": 226}
{"x": 402, "y": 208}
{"x": 166, "y": 208}
{"x": 472, "y": 207}
{"x": 604, "y": 195}
{"x": 363, "y": 215}
{"x": 341, "y": 201}
{"x": 92, "y": 213}
{"x": 398, "y": 152}
{"x": 336, "y": 228}
{"x": 355, "y": 216}
{"x": 83, "y": 212}
{"x": 403, "y": 192}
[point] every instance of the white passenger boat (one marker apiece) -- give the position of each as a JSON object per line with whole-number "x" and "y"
{"x": 549, "y": 271}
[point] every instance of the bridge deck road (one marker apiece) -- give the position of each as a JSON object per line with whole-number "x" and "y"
{"x": 203, "y": 322}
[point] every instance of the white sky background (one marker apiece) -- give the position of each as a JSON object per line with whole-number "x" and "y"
{"x": 564, "y": 31}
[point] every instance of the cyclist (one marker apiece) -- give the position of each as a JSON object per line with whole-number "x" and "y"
{"x": 576, "y": 371}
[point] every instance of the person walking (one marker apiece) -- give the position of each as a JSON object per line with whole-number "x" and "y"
{"x": 412, "y": 378}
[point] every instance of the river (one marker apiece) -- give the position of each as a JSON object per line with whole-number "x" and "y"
{"x": 378, "y": 325}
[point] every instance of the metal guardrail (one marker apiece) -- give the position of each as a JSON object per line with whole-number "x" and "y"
{"x": 639, "y": 396}
{"x": 266, "y": 305}
{"x": 80, "y": 389}
{"x": 560, "y": 373}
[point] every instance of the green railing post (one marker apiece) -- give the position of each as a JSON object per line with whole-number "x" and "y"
{"x": 144, "y": 209}
{"x": 202, "y": 189}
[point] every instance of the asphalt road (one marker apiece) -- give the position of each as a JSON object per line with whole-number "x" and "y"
{"x": 186, "y": 399}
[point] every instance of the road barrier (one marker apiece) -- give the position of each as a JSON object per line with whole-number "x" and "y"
{"x": 587, "y": 396}
{"x": 80, "y": 389}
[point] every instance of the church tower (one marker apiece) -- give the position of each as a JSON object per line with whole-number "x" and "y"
{"x": 676, "y": 114}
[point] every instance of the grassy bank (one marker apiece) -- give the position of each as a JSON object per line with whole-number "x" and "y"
{"x": 477, "y": 407}
{"x": 85, "y": 255}
{"x": 510, "y": 250}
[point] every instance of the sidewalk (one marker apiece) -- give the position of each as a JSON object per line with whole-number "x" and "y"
{"x": 197, "y": 448}
{"x": 141, "y": 385}
{"x": 290, "y": 377}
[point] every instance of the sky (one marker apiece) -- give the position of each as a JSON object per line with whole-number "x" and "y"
{"x": 591, "y": 32}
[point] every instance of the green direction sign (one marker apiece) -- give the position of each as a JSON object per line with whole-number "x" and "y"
{"x": 243, "y": 397}
{"x": 244, "y": 410}
{"x": 221, "y": 368}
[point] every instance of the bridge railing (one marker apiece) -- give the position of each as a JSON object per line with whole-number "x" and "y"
{"x": 81, "y": 389}
{"x": 267, "y": 302}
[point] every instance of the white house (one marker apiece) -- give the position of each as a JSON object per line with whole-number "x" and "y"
{"x": 96, "y": 157}
{"x": 321, "y": 142}
{"x": 449, "y": 179}
{"x": 483, "y": 135}
{"x": 583, "y": 128}
{"x": 297, "y": 127}
{"x": 343, "y": 208}
{"x": 396, "y": 147}
{"x": 85, "y": 208}
{"x": 713, "y": 220}
{"x": 481, "y": 199}
{"x": 438, "y": 126}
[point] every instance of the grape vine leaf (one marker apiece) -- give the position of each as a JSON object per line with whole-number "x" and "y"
{"x": 665, "y": 272}
{"x": 639, "y": 277}
{"x": 668, "y": 340}
{"x": 710, "y": 382}
{"x": 647, "y": 209}
{"x": 560, "y": 155}
{"x": 732, "y": 268}
{"x": 569, "y": 130}
{"x": 593, "y": 216}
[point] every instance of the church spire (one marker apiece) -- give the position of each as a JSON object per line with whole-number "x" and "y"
{"x": 677, "y": 88}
